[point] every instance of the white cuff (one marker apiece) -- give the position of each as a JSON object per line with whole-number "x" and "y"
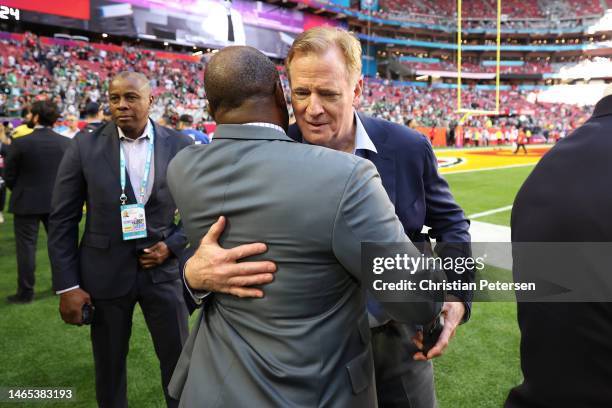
{"x": 59, "y": 292}
{"x": 197, "y": 296}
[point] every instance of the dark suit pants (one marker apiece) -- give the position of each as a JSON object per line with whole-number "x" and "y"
{"x": 401, "y": 382}
{"x": 166, "y": 316}
{"x": 26, "y": 235}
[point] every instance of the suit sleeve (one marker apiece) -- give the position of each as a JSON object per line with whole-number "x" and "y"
{"x": 449, "y": 225}
{"x": 11, "y": 165}
{"x": 66, "y": 213}
{"x": 365, "y": 214}
{"x": 177, "y": 240}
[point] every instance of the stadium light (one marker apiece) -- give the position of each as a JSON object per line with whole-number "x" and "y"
{"x": 104, "y": 35}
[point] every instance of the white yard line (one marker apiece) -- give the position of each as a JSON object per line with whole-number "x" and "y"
{"x": 510, "y": 166}
{"x": 494, "y": 211}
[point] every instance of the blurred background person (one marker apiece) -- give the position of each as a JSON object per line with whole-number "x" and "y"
{"x": 26, "y": 126}
{"x": 94, "y": 116}
{"x": 185, "y": 126}
{"x": 72, "y": 126}
{"x": 30, "y": 171}
{"x": 5, "y": 142}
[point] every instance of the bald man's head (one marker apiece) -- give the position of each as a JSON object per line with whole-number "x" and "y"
{"x": 137, "y": 79}
{"x": 130, "y": 99}
{"x": 239, "y": 74}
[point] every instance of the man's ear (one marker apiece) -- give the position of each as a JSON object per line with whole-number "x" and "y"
{"x": 357, "y": 92}
{"x": 211, "y": 112}
{"x": 279, "y": 95}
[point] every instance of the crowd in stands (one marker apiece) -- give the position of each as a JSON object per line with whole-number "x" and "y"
{"x": 436, "y": 107}
{"x": 585, "y": 7}
{"x": 537, "y": 67}
{"x": 487, "y": 9}
{"x": 75, "y": 76}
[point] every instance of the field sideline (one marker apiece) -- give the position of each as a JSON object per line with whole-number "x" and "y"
{"x": 39, "y": 350}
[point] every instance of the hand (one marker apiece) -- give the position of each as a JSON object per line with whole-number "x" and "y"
{"x": 215, "y": 269}
{"x": 154, "y": 256}
{"x": 71, "y": 305}
{"x": 453, "y": 311}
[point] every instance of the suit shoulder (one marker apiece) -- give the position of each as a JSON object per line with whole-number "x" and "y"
{"x": 325, "y": 159}
{"x": 185, "y": 155}
{"x": 398, "y": 135}
{"x": 175, "y": 136}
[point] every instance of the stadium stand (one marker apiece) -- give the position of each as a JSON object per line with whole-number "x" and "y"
{"x": 76, "y": 73}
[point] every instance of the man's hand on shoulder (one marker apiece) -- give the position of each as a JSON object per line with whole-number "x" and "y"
{"x": 214, "y": 269}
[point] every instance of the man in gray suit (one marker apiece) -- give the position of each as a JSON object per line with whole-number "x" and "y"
{"x": 307, "y": 342}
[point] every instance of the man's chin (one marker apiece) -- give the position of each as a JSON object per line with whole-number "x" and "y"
{"x": 317, "y": 137}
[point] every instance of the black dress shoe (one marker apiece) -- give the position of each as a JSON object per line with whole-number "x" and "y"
{"x": 19, "y": 299}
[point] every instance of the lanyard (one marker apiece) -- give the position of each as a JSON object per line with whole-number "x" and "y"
{"x": 145, "y": 177}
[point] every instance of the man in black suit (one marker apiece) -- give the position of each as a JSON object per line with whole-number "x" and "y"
{"x": 31, "y": 166}
{"x": 566, "y": 348}
{"x": 130, "y": 245}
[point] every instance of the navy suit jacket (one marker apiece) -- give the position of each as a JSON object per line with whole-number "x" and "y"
{"x": 409, "y": 172}
{"x": 30, "y": 170}
{"x": 103, "y": 264}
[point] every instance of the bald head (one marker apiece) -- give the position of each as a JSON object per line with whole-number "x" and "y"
{"x": 137, "y": 79}
{"x": 237, "y": 75}
{"x": 129, "y": 97}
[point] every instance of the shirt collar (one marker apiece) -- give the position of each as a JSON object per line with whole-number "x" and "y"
{"x": 362, "y": 140}
{"x": 148, "y": 132}
{"x": 266, "y": 125}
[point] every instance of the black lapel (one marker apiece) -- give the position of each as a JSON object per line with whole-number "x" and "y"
{"x": 161, "y": 158}
{"x": 385, "y": 159}
{"x": 110, "y": 144}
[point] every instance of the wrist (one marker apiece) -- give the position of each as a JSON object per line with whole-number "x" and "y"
{"x": 189, "y": 278}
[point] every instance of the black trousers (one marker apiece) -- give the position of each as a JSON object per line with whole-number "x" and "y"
{"x": 26, "y": 235}
{"x": 518, "y": 146}
{"x": 166, "y": 316}
{"x": 401, "y": 382}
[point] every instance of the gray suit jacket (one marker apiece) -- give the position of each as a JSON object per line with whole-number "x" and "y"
{"x": 306, "y": 343}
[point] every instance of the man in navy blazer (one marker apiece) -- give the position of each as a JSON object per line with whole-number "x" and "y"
{"x": 105, "y": 269}
{"x": 324, "y": 67}
{"x": 408, "y": 170}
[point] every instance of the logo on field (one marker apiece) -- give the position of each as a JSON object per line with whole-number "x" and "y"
{"x": 445, "y": 162}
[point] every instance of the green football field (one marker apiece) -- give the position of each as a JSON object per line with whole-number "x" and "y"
{"x": 39, "y": 350}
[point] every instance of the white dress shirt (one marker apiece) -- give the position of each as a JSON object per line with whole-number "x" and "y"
{"x": 135, "y": 152}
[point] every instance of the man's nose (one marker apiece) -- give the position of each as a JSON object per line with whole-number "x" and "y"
{"x": 314, "y": 107}
{"x": 123, "y": 105}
